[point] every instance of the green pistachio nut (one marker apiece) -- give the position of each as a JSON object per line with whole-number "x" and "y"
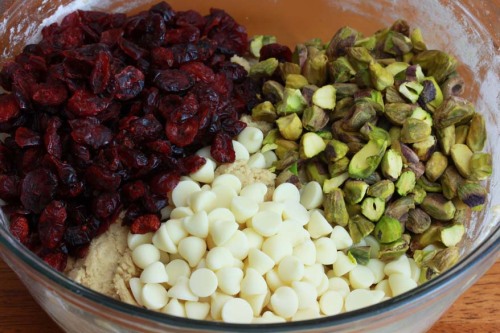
{"x": 428, "y": 186}
{"x": 417, "y": 40}
{"x": 300, "y": 54}
{"x": 366, "y": 161}
{"x": 481, "y": 166}
{"x": 287, "y": 68}
{"x": 411, "y": 90}
{"x": 397, "y": 67}
{"x": 273, "y": 91}
{"x": 453, "y": 86}
{"x": 461, "y": 156}
{"x": 264, "y": 68}
{"x": 383, "y": 189}
{"x": 311, "y": 144}
{"x": 295, "y": 81}
{"x": 461, "y": 133}
{"x": 453, "y": 111}
{"x": 421, "y": 114}
{"x": 363, "y": 112}
{"x": 338, "y": 167}
{"x": 363, "y": 78}
{"x": 333, "y": 183}
{"x": 361, "y": 254}
{"x": 325, "y": 97}
{"x": 463, "y": 212}
{"x": 284, "y": 146}
{"x": 418, "y": 194}
{"x": 380, "y": 77}
{"x": 392, "y": 95}
{"x": 314, "y": 118}
{"x": 373, "y": 178}
{"x": 451, "y": 236}
{"x": 343, "y": 39}
{"x": 290, "y": 157}
{"x": 394, "y": 250}
{"x": 387, "y": 230}
{"x": 315, "y": 68}
{"x": 373, "y": 208}
{"x": 264, "y": 111}
{"x": 397, "y": 113}
{"x": 445, "y": 259}
{"x": 418, "y": 221}
{"x": 258, "y": 41}
{"x": 335, "y": 150}
{"x": 450, "y": 181}
{"x": 359, "y": 57}
{"x": 340, "y": 70}
{"x": 367, "y": 42}
{"x": 307, "y": 92}
{"x": 405, "y": 183}
{"x": 354, "y": 191}
{"x": 293, "y": 102}
{"x": 476, "y": 138}
{"x": 397, "y": 44}
{"x": 415, "y": 130}
{"x": 428, "y": 237}
{"x": 431, "y": 96}
{"x": 341, "y": 134}
{"x": 446, "y": 138}
{"x": 425, "y": 148}
{"x": 344, "y": 90}
{"x": 359, "y": 227}
{"x": 472, "y": 194}
{"x": 438, "y": 207}
{"x": 436, "y": 63}
{"x": 271, "y": 137}
{"x": 316, "y": 171}
{"x": 392, "y": 164}
{"x": 400, "y": 207}
{"x": 287, "y": 176}
{"x": 290, "y": 126}
{"x": 435, "y": 166}
{"x": 335, "y": 208}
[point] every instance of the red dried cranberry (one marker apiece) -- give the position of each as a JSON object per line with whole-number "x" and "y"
{"x": 144, "y": 224}
{"x": 182, "y": 134}
{"x": 26, "y": 138}
{"x": 57, "y": 260}
{"x": 128, "y": 83}
{"x": 185, "y": 34}
{"x": 164, "y": 182}
{"x": 50, "y": 94}
{"x": 52, "y": 224}
{"x": 199, "y": 71}
{"x": 106, "y": 204}
{"x": 95, "y": 136}
{"x": 173, "y": 80}
{"x": 190, "y": 164}
{"x": 222, "y": 148}
{"x": 160, "y": 146}
{"x": 102, "y": 179}
{"x": 9, "y": 187}
{"x": 162, "y": 58}
{"x": 9, "y": 108}
{"x": 132, "y": 50}
{"x": 145, "y": 128}
{"x": 37, "y": 189}
{"x": 275, "y": 50}
{"x": 165, "y": 10}
{"x": 134, "y": 190}
{"x": 101, "y": 73}
{"x": 189, "y": 17}
{"x": 51, "y": 138}
{"x": 19, "y": 228}
{"x": 84, "y": 104}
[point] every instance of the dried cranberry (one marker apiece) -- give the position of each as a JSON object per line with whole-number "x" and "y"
{"x": 95, "y": 136}
{"x": 50, "y": 94}
{"x": 164, "y": 182}
{"x": 57, "y": 260}
{"x": 182, "y": 134}
{"x": 26, "y": 138}
{"x": 164, "y": 9}
{"x": 185, "y": 34}
{"x": 9, "y": 187}
{"x": 222, "y": 148}
{"x": 190, "y": 164}
{"x": 162, "y": 58}
{"x": 189, "y": 17}
{"x": 173, "y": 80}
{"x": 101, "y": 73}
{"x": 9, "y": 108}
{"x": 84, "y": 104}
{"x": 144, "y": 224}
{"x": 199, "y": 71}
{"x": 52, "y": 224}
{"x": 134, "y": 190}
{"x": 145, "y": 128}
{"x": 275, "y": 50}
{"x": 19, "y": 228}
{"x": 106, "y": 204}
{"x": 132, "y": 50}
{"x": 102, "y": 179}
{"x": 128, "y": 83}
{"x": 37, "y": 189}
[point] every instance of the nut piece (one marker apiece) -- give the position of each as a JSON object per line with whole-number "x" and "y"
{"x": 366, "y": 161}
{"x": 295, "y": 81}
{"x": 324, "y": 97}
{"x": 354, "y": 191}
{"x": 446, "y": 138}
{"x": 311, "y": 144}
{"x": 338, "y": 167}
{"x": 400, "y": 207}
{"x": 435, "y": 166}
{"x": 383, "y": 189}
{"x": 438, "y": 207}
{"x": 292, "y": 102}
{"x": 290, "y": 126}
{"x": 450, "y": 181}
{"x": 476, "y": 138}
{"x": 264, "y": 111}
{"x": 361, "y": 254}
{"x": 264, "y": 68}
{"x": 394, "y": 250}
{"x": 317, "y": 171}
{"x": 453, "y": 111}
{"x": 461, "y": 133}
{"x": 406, "y": 183}
{"x": 344, "y": 38}
{"x": 481, "y": 166}
{"x": 392, "y": 164}
{"x": 273, "y": 91}
{"x": 388, "y": 230}
{"x": 373, "y": 208}
{"x": 335, "y": 209}
{"x": 335, "y": 150}
{"x": 461, "y": 156}
{"x": 415, "y": 130}
{"x": 418, "y": 221}
{"x": 340, "y": 70}
{"x": 359, "y": 228}
{"x": 451, "y": 236}
{"x": 315, "y": 69}
{"x": 314, "y": 118}
{"x": 472, "y": 194}
{"x": 436, "y": 63}
{"x": 380, "y": 77}
{"x": 445, "y": 259}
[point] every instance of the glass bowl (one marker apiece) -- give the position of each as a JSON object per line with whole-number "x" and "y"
{"x": 465, "y": 29}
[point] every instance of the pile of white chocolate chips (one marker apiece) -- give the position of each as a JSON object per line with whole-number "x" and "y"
{"x": 245, "y": 252}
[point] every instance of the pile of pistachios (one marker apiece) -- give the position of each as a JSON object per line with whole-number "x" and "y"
{"x": 379, "y": 122}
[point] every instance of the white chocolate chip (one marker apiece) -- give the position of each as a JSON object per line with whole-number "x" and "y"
{"x": 181, "y": 290}
{"x": 197, "y": 310}
{"x": 134, "y": 240}
{"x": 318, "y": 226}
{"x": 401, "y": 283}
{"x": 254, "y": 239}
{"x": 154, "y": 296}
{"x": 361, "y": 277}
{"x": 307, "y": 294}
{"x": 343, "y": 264}
{"x": 253, "y": 283}
{"x": 176, "y": 231}
{"x": 257, "y": 161}
{"x": 311, "y": 195}
{"x": 237, "y": 310}
{"x": 144, "y": 255}
{"x": 197, "y": 224}
{"x": 220, "y": 214}
{"x": 267, "y": 223}
{"x": 331, "y": 303}
{"x": 341, "y": 238}
{"x": 222, "y": 231}
{"x": 230, "y": 280}
{"x": 290, "y": 269}
{"x": 219, "y": 257}
{"x": 286, "y": 192}
{"x": 398, "y": 266}
{"x": 228, "y": 180}
{"x": 183, "y": 191}
{"x": 243, "y": 208}
{"x": 326, "y": 252}
{"x": 339, "y": 285}
{"x": 175, "y": 269}
{"x": 259, "y": 261}
{"x": 192, "y": 249}
{"x": 136, "y": 287}
{"x": 251, "y": 138}
{"x": 225, "y": 195}
{"x": 180, "y": 212}
{"x": 277, "y": 247}
{"x": 284, "y": 302}
{"x": 270, "y": 158}
{"x": 240, "y": 152}
{"x": 255, "y": 191}
{"x": 306, "y": 252}
{"x": 359, "y": 298}
{"x": 154, "y": 273}
{"x": 174, "y": 308}
{"x": 238, "y": 245}
{"x": 202, "y": 201}
{"x": 203, "y": 282}
{"x": 377, "y": 268}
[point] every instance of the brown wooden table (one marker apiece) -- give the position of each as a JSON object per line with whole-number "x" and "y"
{"x": 475, "y": 312}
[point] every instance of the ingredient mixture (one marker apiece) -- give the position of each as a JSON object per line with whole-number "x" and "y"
{"x": 165, "y": 160}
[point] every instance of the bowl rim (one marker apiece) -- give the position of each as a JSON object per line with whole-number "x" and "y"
{"x": 489, "y": 247}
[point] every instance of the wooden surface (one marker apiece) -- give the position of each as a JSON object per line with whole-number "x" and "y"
{"x": 475, "y": 312}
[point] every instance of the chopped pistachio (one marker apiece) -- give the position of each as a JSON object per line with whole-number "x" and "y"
{"x": 453, "y": 111}
{"x": 445, "y": 259}
{"x": 325, "y": 134}
{"x": 392, "y": 95}
{"x": 324, "y": 97}
{"x": 290, "y": 126}
{"x": 287, "y": 176}
{"x": 453, "y": 86}
{"x": 307, "y": 92}
{"x": 290, "y": 157}
{"x": 335, "y": 150}
{"x": 264, "y": 67}
{"x": 373, "y": 208}
{"x": 446, "y": 138}
{"x": 340, "y": 70}
{"x": 316, "y": 171}
{"x": 418, "y": 221}
{"x": 335, "y": 209}
{"x": 431, "y": 96}
{"x": 392, "y": 164}
{"x": 427, "y": 273}
{"x": 481, "y": 166}
{"x": 295, "y": 81}
{"x": 397, "y": 113}
{"x": 423, "y": 115}
{"x": 299, "y": 55}
{"x": 436, "y": 63}
{"x": 345, "y": 90}
{"x": 438, "y": 207}
{"x": 363, "y": 78}
{"x": 258, "y": 41}
{"x": 425, "y": 148}
{"x": 380, "y": 77}
{"x": 418, "y": 194}
{"x": 330, "y": 184}
{"x": 387, "y": 230}
{"x": 315, "y": 69}
{"x": 415, "y": 130}
{"x": 354, "y": 191}
{"x": 397, "y": 67}
{"x": 271, "y": 137}
{"x": 273, "y": 91}
{"x": 284, "y": 146}
{"x": 428, "y": 237}
{"x": 383, "y": 189}
{"x": 344, "y": 38}
{"x": 405, "y": 183}
{"x": 264, "y": 111}
{"x": 472, "y": 194}
{"x": 435, "y": 166}
{"x": 314, "y": 118}
{"x": 461, "y": 156}
{"x": 461, "y": 133}
{"x": 450, "y": 181}
{"x": 413, "y": 73}
{"x": 366, "y": 161}
{"x": 287, "y": 68}
{"x": 359, "y": 57}
{"x": 409, "y": 156}
{"x": 476, "y": 138}
{"x": 341, "y": 134}
{"x": 359, "y": 227}
{"x": 396, "y": 43}
{"x": 293, "y": 102}
{"x": 394, "y": 250}
{"x": 311, "y": 144}
{"x": 451, "y": 236}
{"x": 353, "y": 209}
{"x": 417, "y": 40}
{"x": 429, "y": 186}
{"x": 338, "y": 167}
{"x": 368, "y": 42}
{"x": 400, "y": 207}
{"x": 411, "y": 90}
{"x": 463, "y": 212}
{"x": 363, "y": 112}
{"x": 361, "y": 254}
{"x": 373, "y": 178}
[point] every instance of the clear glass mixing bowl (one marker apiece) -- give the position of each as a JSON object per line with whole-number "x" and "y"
{"x": 464, "y": 28}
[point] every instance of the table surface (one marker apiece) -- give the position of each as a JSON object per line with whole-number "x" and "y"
{"x": 474, "y": 312}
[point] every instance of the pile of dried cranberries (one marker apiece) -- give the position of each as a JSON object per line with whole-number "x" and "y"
{"x": 104, "y": 115}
